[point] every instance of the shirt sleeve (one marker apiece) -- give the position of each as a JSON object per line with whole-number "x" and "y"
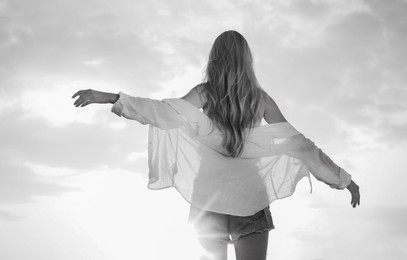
{"x": 147, "y": 111}
{"x": 318, "y": 163}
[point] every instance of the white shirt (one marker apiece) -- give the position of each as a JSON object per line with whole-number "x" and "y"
{"x": 185, "y": 152}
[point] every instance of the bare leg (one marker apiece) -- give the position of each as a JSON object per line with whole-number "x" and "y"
{"x": 212, "y": 232}
{"x": 252, "y": 247}
{"x": 213, "y": 249}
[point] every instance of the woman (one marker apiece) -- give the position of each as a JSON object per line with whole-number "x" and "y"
{"x": 222, "y": 161}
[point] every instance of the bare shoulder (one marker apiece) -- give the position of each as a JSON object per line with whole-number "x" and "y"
{"x": 195, "y": 96}
{"x": 272, "y": 113}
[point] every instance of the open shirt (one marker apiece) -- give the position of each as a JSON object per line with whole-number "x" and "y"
{"x": 185, "y": 152}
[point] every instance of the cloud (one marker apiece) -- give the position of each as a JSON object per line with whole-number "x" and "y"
{"x": 77, "y": 147}
{"x": 384, "y": 227}
{"x": 336, "y": 68}
{"x": 19, "y": 184}
{"x": 345, "y": 62}
{"x": 393, "y": 133}
{"x": 312, "y": 57}
{"x": 9, "y": 216}
{"x": 61, "y": 38}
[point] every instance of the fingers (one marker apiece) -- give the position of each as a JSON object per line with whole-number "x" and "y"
{"x": 78, "y": 102}
{"x": 83, "y": 99}
{"x": 78, "y": 93}
{"x": 85, "y": 103}
{"x": 353, "y": 202}
{"x": 81, "y": 103}
{"x": 355, "y": 199}
{"x": 355, "y": 194}
{"x": 74, "y": 95}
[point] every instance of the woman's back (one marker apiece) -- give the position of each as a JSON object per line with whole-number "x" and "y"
{"x": 231, "y": 95}
{"x": 268, "y": 109}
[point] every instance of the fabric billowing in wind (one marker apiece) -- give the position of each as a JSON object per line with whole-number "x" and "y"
{"x": 185, "y": 152}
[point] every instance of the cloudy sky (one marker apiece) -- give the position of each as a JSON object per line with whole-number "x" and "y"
{"x": 73, "y": 180}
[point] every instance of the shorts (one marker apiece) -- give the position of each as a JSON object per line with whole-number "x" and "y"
{"x": 229, "y": 228}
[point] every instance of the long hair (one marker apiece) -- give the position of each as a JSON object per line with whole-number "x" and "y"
{"x": 231, "y": 91}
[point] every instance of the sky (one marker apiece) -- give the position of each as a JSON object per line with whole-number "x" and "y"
{"x": 73, "y": 181}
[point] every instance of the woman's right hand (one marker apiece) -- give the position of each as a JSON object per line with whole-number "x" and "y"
{"x": 90, "y": 96}
{"x": 354, "y": 191}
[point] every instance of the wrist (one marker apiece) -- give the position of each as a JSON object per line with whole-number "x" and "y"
{"x": 350, "y": 185}
{"x": 113, "y": 98}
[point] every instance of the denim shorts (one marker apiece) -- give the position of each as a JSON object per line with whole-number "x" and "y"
{"x": 229, "y": 228}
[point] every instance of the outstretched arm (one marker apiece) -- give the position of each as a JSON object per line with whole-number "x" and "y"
{"x": 325, "y": 170}
{"x": 143, "y": 110}
{"x": 90, "y": 96}
{"x": 272, "y": 114}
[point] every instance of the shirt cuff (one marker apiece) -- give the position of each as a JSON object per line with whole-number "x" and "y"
{"x": 344, "y": 180}
{"x": 118, "y": 106}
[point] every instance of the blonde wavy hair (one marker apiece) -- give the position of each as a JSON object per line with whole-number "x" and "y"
{"x": 231, "y": 91}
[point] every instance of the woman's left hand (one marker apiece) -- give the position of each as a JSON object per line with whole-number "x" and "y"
{"x": 354, "y": 191}
{"x": 90, "y": 96}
